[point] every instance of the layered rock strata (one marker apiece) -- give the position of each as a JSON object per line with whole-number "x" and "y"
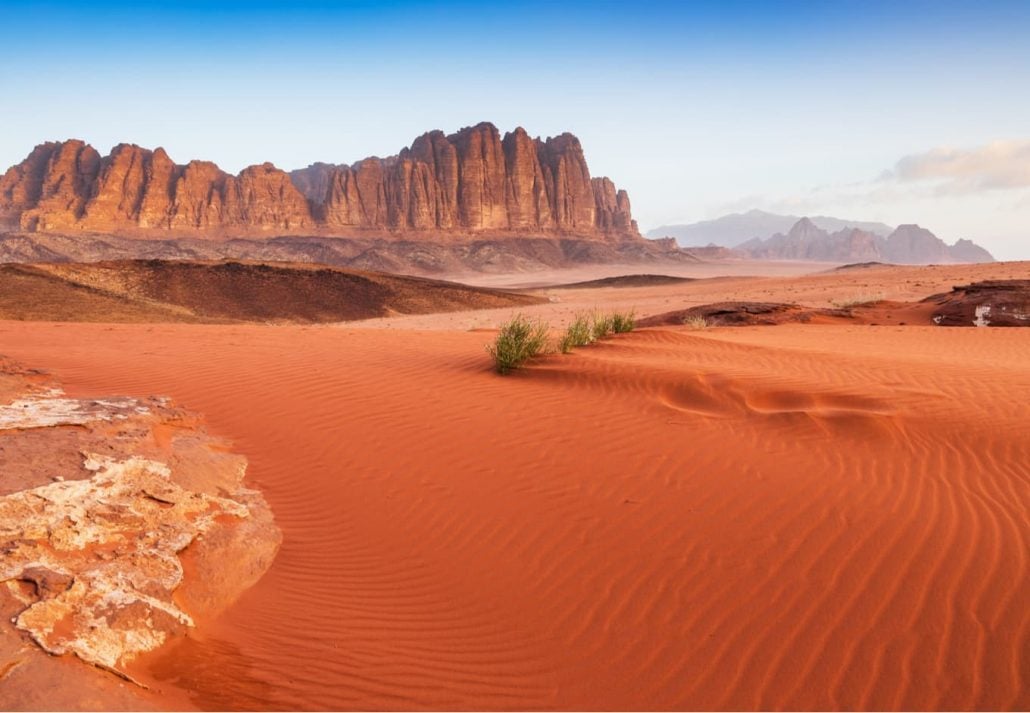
{"x": 473, "y": 182}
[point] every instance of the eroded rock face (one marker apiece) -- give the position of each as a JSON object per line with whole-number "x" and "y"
{"x": 992, "y": 303}
{"x": 100, "y": 501}
{"x": 471, "y": 182}
{"x": 48, "y": 191}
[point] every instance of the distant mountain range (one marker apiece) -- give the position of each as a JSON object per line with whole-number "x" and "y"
{"x": 731, "y": 230}
{"x": 768, "y": 236}
{"x": 908, "y": 244}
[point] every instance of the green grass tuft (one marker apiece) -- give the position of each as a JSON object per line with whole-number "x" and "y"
{"x": 623, "y": 322}
{"x": 601, "y": 326}
{"x": 578, "y": 334}
{"x": 518, "y": 341}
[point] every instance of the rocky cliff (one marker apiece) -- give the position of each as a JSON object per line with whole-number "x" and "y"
{"x": 908, "y": 244}
{"x": 471, "y": 183}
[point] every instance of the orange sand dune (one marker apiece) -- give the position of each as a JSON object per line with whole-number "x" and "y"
{"x": 828, "y": 517}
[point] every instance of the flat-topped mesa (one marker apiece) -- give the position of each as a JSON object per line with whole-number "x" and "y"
{"x": 467, "y": 184}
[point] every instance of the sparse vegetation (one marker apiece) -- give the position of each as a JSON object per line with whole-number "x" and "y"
{"x": 518, "y": 341}
{"x": 521, "y": 339}
{"x": 696, "y": 322}
{"x": 587, "y": 329}
{"x": 624, "y": 322}
{"x": 601, "y": 326}
{"x": 577, "y": 334}
{"x": 857, "y": 301}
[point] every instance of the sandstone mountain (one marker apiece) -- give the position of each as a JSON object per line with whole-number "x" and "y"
{"x": 466, "y": 185}
{"x": 908, "y": 244}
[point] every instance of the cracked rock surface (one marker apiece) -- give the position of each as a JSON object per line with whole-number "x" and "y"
{"x": 100, "y": 502}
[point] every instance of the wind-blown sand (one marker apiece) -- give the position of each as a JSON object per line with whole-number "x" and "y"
{"x": 799, "y": 516}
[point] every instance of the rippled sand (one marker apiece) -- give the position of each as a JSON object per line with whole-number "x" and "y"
{"x": 797, "y": 516}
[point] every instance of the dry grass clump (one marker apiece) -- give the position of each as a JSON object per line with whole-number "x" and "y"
{"x": 587, "y": 329}
{"x": 601, "y": 326}
{"x": 521, "y": 339}
{"x": 696, "y": 322}
{"x": 518, "y": 341}
{"x": 857, "y": 301}
{"x": 624, "y": 322}
{"x": 577, "y": 334}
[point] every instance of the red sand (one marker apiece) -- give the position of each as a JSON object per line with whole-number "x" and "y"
{"x": 773, "y": 517}
{"x": 781, "y": 517}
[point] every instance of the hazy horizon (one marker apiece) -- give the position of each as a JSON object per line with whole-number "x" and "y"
{"x": 864, "y": 111}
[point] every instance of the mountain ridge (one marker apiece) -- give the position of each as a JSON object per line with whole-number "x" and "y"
{"x": 735, "y": 228}
{"x": 473, "y": 182}
{"x": 908, "y": 244}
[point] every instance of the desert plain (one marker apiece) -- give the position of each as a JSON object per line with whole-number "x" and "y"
{"x": 819, "y": 514}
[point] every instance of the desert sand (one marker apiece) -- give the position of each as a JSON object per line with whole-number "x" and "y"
{"x": 788, "y": 517}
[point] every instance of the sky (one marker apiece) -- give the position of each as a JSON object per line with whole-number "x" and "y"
{"x": 901, "y": 112}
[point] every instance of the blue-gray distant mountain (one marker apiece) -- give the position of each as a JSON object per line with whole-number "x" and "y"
{"x": 732, "y": 230}
{"x": 908, "y": 245}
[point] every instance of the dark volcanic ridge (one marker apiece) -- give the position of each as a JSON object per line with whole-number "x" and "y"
{"x": 227, "y": 292}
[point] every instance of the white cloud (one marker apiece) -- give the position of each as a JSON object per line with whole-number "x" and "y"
{"x": 997, "y": 165}
{"x": 920, "y": 178}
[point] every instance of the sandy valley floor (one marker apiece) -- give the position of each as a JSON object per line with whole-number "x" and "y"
{"x": 799, "y": 516}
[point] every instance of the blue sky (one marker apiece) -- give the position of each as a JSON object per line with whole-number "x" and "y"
{"x": 893, "y": 111}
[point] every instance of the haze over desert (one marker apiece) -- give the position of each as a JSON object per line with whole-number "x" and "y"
{"x": 526, "y": 356}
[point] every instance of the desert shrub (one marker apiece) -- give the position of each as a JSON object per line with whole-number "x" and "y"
{"x": 587, "y": 329}
{"x": 601, "y": 326}
{"x": 623, "y": 322}
{"x": 518, "y": 341}
{"x": 857, "y": 301}
{"x": 696, "y": 322}
{"x": 578, "y": 334}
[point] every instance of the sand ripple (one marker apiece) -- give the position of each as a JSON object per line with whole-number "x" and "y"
{"x": 793, "y": 517}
